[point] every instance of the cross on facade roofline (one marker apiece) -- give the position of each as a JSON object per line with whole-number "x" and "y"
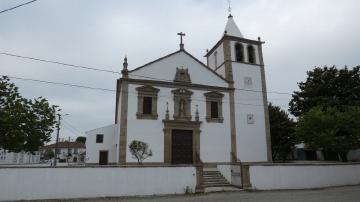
{"x": 181, "y": 34}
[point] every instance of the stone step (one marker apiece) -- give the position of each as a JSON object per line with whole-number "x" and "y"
{"x": 217, "y": 185}
{"x": 214, "y": 182}
{"x": 214, "y": 179}
{"x": 222, "y": 189}
{"x": 212, "y": 174}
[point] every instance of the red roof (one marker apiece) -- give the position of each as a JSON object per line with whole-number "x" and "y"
{"x": 66, "y": 144}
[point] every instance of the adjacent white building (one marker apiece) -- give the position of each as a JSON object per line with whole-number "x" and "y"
{"x": 188, "y": 111}
{"x": 68, "y": 151}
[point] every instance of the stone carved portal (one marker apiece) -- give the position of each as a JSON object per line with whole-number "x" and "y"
{"x": 181, "y": 142}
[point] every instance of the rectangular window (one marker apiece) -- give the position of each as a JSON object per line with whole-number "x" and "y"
{"x": 147, "y": 105}
{"x": 147, "y": 102}
{"x": 214, "y": 107}
{"x": 214, "y": 110}
{"x": 99, "y": 138}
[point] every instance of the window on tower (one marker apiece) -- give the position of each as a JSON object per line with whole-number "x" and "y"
{"x": 239, "y": 52}
{"x": 251, "y": 54}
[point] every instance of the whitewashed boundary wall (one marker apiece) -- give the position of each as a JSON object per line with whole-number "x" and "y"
{"x": 89, "y": 182}
{"x": 303, "y": 176}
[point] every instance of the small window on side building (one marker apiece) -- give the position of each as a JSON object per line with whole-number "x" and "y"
{"x": 99, "y": 138}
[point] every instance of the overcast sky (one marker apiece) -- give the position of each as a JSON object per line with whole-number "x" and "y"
{"x": 96, "y": 33}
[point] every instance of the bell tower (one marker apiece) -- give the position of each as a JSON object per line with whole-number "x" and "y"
{"x": 240, "y": 61}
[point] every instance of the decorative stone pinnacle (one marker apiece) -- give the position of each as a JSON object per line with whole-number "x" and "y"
{"x": 125, "y": 68}
{"x": 167, "y": 116}
{"x": 197, "y": 118}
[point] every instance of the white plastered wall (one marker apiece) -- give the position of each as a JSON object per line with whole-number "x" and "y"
{"x": 165, "y": 70}
{"x": 214, "y": 137}
{"x": 303, "y": 176}
{"x": 110, "y": 144}
{"x": 251, "y": 138}
{"x": 220, "y": 57}
{"x": 89, "y": 182}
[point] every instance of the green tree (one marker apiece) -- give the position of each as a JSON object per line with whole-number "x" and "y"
{"x": 282, "y": 129}
{"x": 140, "y": 150}
{"x": 330, "y": 129}
{"x": 81, "y": 139}
{"x": 327, "y": 86}
{"x": 25, "y": 124}
{"x": 49, "y": 154}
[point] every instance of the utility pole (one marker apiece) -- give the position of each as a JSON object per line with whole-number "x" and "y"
{"x": 57, "y": 138}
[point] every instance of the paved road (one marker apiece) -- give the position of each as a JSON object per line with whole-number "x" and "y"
{"x": 341, "y": 194}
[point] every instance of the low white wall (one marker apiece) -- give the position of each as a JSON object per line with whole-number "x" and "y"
{"x": 266, "y": 177}
{"x": 88, "y": 182}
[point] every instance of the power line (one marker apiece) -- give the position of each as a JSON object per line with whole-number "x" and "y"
{"x": 60, "y": 83}
{"x": 114, "y": 72}
{"x": 73, "y": 127}
{"x": 59, "y": 63}
{"x": 111, "y": 90}
{"x": 12, "y": 8}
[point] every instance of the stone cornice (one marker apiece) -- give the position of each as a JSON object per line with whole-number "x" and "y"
{"x": 177, "y": 85}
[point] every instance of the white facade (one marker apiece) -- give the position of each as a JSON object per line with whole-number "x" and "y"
{"x": 9, "y": 158}
{"x": 219, "y": 141}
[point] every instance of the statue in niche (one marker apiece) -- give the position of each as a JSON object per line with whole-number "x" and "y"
{"x": 182, "y": 108}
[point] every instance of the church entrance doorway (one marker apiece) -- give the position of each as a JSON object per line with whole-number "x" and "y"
{"x": 182, "y": 147}
{"x": 103, "y": 157}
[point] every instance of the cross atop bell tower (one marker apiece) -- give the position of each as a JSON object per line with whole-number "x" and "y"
{"x": 229, "y": 8}
{"x": 181, "y": 34}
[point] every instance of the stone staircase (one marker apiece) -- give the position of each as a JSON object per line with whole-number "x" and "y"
{"x": 213, "y": 178}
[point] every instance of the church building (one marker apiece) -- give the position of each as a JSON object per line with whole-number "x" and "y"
{"x": 190, "y": 112}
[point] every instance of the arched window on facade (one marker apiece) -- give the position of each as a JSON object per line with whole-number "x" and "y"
{"x": 239, "y": 52}
{"x": 251, "y": 54}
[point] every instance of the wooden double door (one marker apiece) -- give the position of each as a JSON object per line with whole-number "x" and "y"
{"x": 182, "y": 147}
